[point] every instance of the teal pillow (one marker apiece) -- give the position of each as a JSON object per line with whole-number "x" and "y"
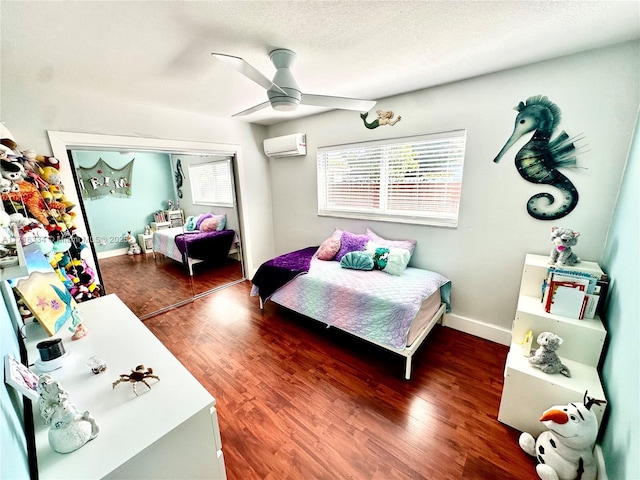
{"x": 357, "y": 261}
{"x": 190, "y": 224}
{"x": 390, "y": 260}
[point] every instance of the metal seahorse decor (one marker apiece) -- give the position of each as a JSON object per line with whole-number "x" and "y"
{"x": 539, "y": 159}
{"x": 179, "y": 176}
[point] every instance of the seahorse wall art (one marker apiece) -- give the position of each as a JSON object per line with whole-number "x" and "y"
{"x": 539, "y": 159}
{"x": 384, "y": 118}
{"x": 179, "y": 176}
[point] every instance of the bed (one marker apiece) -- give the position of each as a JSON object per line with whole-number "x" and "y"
{"x": 396, "y": 312}
{"x": 196, "y": 246}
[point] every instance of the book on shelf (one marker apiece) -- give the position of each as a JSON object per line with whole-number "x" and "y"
{"x": 572, "y": 293}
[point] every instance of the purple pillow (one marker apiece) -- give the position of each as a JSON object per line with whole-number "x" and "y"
{"x": 202, "y": 218}
{"x": 350, "y": 242}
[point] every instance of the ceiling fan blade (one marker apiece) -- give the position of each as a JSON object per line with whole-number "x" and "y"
{"x": 247, "y": 70}
{"x": 253, "y": 109}
{"x": 342, "y": 103}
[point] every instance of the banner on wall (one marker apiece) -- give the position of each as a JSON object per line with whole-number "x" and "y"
{"x": 102, "y": 180}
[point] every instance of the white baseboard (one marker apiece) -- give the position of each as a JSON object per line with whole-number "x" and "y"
{"x": 487, "y": 331}
{"x": 602, "y": 469}
{"x": 113, "y": 253}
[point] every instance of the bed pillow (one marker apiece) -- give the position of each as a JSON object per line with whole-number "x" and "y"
{"x": 209, "y": 225}
{"x": 406, "y": 244}
{"x": 222, "y": 221}
{"x": 351, "y": 242}
{"x": 202, "y": 218}
{"x": 390, "y": 260}
{"x": 190, "y": 223}
{"x": 330, "y": 247}
{"x": 357, "y": 261}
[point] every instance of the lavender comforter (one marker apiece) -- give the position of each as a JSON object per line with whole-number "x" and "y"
{"x": 371, "y": 304}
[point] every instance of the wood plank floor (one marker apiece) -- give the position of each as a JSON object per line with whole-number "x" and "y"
{"x": 298, "y": 401}
{"x": 147, "y": 283}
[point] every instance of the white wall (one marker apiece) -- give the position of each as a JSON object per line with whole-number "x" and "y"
{"x": 598, "y": 95}
{"x": 29, "y": 110}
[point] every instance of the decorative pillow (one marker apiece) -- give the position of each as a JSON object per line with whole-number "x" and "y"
{"x": 351, "y": 242}
{"x": 222, "y": 221}
{"x": 390, "y": 260}
{"x": 330, "y": 247}
{"x": 202, "y": 218}
{"x": 209, "y": 225}
{"x": 357, "y": 261}
{"x": 190, "y": 223}
{"x": 406, "y": 244}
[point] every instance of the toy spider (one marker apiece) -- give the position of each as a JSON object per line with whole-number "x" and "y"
{"x": 136, "y": 376}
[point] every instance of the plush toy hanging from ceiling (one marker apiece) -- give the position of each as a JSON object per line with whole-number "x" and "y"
{"x": 384, "y": 118}
{"x": 539, "y": 159}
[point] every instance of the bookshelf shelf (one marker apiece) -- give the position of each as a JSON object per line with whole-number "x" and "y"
{"x": 527, "y": 391}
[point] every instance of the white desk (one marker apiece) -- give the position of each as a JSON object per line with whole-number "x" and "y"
{"x": 170, "y": 431}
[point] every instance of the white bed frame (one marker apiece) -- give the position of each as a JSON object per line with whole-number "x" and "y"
{"x": 406, "y": 352}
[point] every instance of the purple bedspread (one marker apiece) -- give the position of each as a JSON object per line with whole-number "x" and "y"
{"x": 279, "y": 271}
{"x": 212, "y": 246}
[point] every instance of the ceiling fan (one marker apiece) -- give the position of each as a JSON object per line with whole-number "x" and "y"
{"x": 283, "y": 91}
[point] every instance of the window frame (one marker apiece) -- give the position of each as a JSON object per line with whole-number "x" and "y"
{"x": 446, "y": 163}
{"x": 228, "y": 199}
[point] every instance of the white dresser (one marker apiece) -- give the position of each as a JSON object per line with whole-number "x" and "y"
{"x": 168, "y": 432}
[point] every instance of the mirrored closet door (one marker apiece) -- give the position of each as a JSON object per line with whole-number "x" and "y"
{"x": 157, "y": 198}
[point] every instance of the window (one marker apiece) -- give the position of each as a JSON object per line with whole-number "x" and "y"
{"x": 211, "y": 183}
{"x": 410, "y": 180}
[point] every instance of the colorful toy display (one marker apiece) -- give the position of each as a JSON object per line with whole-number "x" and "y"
{"x": 32, "y": 193}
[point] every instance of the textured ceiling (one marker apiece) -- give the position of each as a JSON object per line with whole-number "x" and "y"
{"x": 159, "y": 53}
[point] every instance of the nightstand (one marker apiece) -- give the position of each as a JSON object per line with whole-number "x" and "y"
{"x": 145, "y": 242}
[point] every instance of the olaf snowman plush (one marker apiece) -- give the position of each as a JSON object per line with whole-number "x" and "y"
{"x": 565, "y": 451}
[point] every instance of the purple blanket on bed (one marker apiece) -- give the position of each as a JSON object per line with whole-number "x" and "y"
{"x": 213, "y": 246}
{"x": 279, "y": 271}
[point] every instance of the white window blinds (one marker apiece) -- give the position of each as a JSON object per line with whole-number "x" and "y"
{"x": 410, "y": 180}
{"x": 211, "y": 183}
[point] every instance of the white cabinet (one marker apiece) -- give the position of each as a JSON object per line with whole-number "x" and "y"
{"x": 174, "y": 217}
{"x": 168, "y": 432}
{"x": 146, "y": 242}
{"x": 527, "y": 391}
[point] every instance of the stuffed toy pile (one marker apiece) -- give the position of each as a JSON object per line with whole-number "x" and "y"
{"x": 33, "y": 196}
{"x": 565, "y": 450}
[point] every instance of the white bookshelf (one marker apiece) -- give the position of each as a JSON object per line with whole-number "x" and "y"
{"x": 527, "y": 391}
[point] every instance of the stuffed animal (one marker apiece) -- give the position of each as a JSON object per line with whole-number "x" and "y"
{"x": 134, "y": 248}
{"x": 565, "y": 450}
{"x": 13, "y": 171}
{"x": 563, "y": 239}
{"x": 545, "y": 357}
{"x": 51, "y": 175}
{"x": 32, "y": 198}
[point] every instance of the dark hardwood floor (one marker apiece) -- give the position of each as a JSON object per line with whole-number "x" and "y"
{"x": 147, "y": 283}
{"x": 296, "y": 400}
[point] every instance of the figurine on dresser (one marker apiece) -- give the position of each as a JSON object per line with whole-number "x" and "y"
{"x": 69, "y": 429}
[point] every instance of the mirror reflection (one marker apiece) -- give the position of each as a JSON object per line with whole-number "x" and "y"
{"x": 157, "y": 242}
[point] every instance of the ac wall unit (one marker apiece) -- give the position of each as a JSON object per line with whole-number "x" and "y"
{"x": 286, "y": 146}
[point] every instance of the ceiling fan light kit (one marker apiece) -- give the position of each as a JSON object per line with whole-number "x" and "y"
{"x": 283, "y": 91}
